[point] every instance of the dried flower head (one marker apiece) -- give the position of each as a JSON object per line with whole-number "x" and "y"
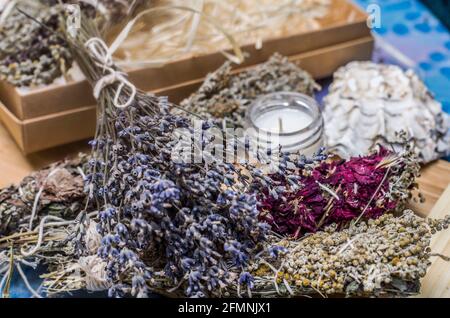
{"x": 338, "y": 191}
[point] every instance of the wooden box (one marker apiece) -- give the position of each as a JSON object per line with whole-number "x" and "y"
{"x": 57, "y": 114}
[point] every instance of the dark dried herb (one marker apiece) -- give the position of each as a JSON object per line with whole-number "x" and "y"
{"x": 33, "y": 51}
{"x": 61, "y": 194}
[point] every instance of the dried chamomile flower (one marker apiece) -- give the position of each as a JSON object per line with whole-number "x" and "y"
{"x": 225, "y": 96}
{"x": 383, "y": 257}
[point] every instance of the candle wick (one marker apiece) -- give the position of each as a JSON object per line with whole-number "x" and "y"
{"x": 280, "y": 124}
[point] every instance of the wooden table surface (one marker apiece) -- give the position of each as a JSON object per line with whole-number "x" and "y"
{"x": 434, "y": 181}
{"x": 437, "y": 281}
{"x": 14, "y": 165}
{"x": 435, "y": 178}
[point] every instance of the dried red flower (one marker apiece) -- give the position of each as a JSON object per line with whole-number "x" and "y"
{"x": 333, "y": 192}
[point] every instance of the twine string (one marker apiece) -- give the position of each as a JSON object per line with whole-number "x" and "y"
{"x": 103, "y": 58}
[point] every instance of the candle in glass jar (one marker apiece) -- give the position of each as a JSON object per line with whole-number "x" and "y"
{"x": 283, "y": 120}
{"x": 291, "y": 120}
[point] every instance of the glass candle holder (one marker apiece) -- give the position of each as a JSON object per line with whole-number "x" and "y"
{"x": 292, "y": 120}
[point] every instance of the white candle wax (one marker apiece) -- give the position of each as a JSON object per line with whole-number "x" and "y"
{"x": 285, "y": 125}
{"x": 283, "y": 120}
{"x": 291, "y": 120}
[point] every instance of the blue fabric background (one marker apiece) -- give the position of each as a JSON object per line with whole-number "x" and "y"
{"x": 420, "y": 36}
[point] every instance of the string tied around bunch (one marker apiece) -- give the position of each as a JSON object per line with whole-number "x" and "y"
{"x": 103, "y": 56}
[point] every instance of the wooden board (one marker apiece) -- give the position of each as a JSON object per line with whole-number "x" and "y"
{"x": 434, "y": 179}
{"x": 437, "y": 281}
{"x": 14, "y": 166}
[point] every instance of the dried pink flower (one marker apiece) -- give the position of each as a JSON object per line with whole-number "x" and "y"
{"x": 332, "y": 192}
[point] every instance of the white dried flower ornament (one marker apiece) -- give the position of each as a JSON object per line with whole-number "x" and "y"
{"x": 368, "y": 103}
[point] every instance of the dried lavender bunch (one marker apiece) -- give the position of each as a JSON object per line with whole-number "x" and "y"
{"x": 383, "y": 257}
{"x": 225, "y": 95}
{"x": 31, "y": 53}
{"x": 195, "y": 221}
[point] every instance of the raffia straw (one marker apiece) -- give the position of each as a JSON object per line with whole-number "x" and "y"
{"x": 246, "y": 22}
{"x": 127, "y": 29}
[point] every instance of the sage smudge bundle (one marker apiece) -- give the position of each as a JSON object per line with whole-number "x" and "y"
{"x": 369, "y": 103}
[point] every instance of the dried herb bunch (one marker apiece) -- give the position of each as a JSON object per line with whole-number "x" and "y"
{"x": 383, "y": 257}
{"x": 56, "y": 190}
{"x": 30, "y": 53}
{"x": 338, "y": 191}
{"x": 36, "y": 218}
{"x": 226, "y": 96}
{"x": 194, "y": 222}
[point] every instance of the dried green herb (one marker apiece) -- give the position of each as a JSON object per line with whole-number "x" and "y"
{"x": 226, "y": 96}
{"x": 383, "y": 257}
{"x": 31, "y": 53}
